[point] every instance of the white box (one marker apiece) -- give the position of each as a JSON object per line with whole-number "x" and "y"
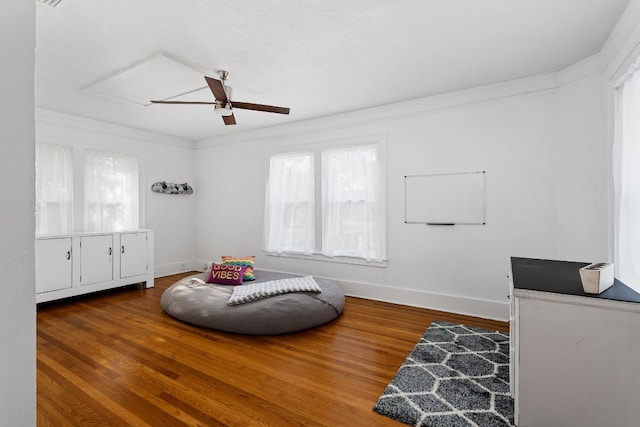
{"x": 597, "y": 277}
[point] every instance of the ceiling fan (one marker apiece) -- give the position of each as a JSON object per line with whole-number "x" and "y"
{"x": 223, "y": 104}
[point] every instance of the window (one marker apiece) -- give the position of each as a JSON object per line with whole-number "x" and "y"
{"x": 352, "y": 223}
{"x": 289, "y": 208}
{"x": 626, "y": 168}
{"x": 54, "y": 189}
{"x": 110, "y": 192}
{"x": 349, "y": 199}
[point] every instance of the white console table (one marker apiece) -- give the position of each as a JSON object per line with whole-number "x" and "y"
{"x": 574, "y": 357}
{"x": 79, "y": 263}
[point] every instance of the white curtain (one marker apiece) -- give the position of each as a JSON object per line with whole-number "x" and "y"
{"x": 353, "y": 212}
{"x": 626, "y": 168}
{"x": 289, "y": 204}
{"x": 110, "y": 192}
{"x": 54, "y": 189}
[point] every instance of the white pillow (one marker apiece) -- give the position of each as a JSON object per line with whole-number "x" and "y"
{"x": 255, "y": 291}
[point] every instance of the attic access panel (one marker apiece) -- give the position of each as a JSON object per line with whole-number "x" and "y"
{"x": 158, "y": 77}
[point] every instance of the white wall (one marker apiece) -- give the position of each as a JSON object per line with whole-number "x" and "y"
{"x": 582, "y": 165}
{"x": 160, "y": 157}
{"x": 17, "y": 157}
{"x": 523, "y": 133}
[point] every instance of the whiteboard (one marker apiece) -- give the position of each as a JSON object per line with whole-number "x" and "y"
{"x": 445, "y": 198}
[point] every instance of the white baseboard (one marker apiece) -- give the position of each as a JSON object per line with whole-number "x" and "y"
{"x": 175, "y": 268}
{"x": 486, "y": 309}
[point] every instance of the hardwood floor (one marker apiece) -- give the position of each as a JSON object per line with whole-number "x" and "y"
{"x": 116, "y": 359}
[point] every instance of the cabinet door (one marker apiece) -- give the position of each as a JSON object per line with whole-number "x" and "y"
{"x": 133, "y": 254}
{"x": 96, "y": 259}
{"x": 53, "y": 264}
{"x": 578, "y": 361}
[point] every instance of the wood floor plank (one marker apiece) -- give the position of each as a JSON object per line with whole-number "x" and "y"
{"x": 75, "y": 388}
{"x": 116, "y": 359}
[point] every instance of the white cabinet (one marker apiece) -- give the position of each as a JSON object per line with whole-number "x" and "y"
{"x": 574, "y": 355}
{"x": 81, "y": 263}
{"x": 96, "y": 259}
{"x": 133, "y": 254}
{"x": 54, "y": 264}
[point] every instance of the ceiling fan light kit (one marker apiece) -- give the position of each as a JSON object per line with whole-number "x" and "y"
{"x": 223, "y": 106}
{"x": 223, "y": 110}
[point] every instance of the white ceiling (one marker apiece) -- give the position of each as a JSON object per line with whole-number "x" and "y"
{"x": 316, "y": 57}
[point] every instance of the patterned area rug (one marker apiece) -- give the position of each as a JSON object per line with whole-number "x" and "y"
{"x": 456, "y": 376}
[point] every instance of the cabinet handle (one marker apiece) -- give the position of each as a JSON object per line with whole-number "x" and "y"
{"x": 68, "y": 254}
{"x": 122, "y": 250}
{"x": 109, "y": 251}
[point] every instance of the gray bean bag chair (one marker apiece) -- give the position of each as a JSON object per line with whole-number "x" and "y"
{"x": 194, "y": 301}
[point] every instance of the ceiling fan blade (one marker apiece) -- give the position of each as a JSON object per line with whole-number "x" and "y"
{"x": 260, "y": 107}
{"x": 183, "y": 102}
{"x": 229, "y": 120}
{"x": 218, "y": 89}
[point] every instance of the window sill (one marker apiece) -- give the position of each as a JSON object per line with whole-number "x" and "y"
{"x": 336, "y": 259}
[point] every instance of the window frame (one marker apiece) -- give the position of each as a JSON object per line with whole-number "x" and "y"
{"x": 621, "y": 196}
{"x": 282, "y": 206}
{"x": 136, "y": 215}
{"x": 316, "y": 148}
{"x": 71, "y": 190}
